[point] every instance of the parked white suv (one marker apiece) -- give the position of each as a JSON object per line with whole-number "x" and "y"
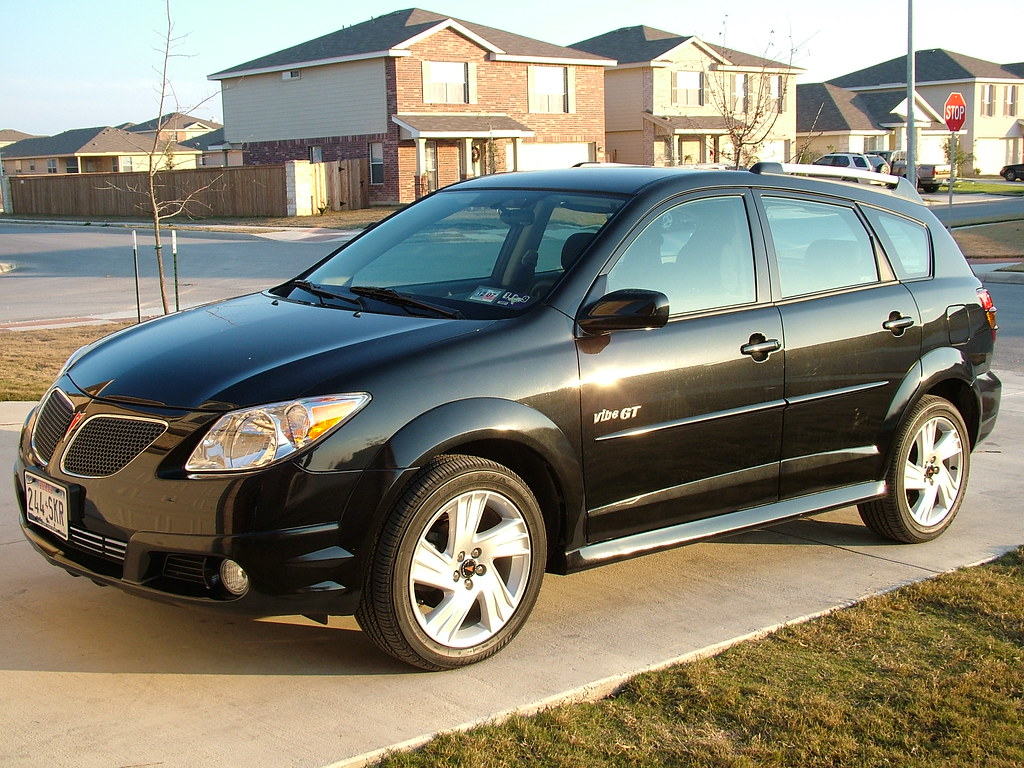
{"x": 846, "y": 160}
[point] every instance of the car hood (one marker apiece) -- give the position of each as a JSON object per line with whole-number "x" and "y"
{"x": 248, "y": 351}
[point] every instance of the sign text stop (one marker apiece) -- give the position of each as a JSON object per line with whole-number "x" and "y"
{"x": 955, "y": 112}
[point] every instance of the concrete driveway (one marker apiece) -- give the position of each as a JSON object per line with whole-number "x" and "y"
{"x": 93, "y": 677}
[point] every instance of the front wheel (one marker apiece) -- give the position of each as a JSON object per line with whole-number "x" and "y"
{"x": 927, "y": 476}
{"x": 457, "y": 567}
{"x": 1010, "y": 175}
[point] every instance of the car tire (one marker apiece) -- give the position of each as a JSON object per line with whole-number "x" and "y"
{"x": 1010, "y": 175}
{"x": 929, "y": 189}
{"x": 457, "y": 567}
{"x": 927, "y": 475}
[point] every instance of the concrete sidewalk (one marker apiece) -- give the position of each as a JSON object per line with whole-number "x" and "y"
{"x": 94, "y": 678}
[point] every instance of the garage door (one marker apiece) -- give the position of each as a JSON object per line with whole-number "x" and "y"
{"x": 535, "y": 157}
{"x": 989, "y": 155}
{"x": 930, "y": 149}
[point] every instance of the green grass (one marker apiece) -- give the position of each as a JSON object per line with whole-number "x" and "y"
{"x": 929, "y": 675}
{"x": 982, "y": 187}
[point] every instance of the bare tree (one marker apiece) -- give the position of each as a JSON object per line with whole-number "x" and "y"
{"x": 750, "y": 102}
{"x": 157, "y": 202}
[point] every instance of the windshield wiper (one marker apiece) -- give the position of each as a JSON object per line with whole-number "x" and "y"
{"x": 392, "y": 296}
{"x": 323, "y": 293}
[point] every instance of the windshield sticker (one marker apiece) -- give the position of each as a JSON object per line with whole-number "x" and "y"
{"x": 486, "y": 295}
{"x": 509, "y": 299}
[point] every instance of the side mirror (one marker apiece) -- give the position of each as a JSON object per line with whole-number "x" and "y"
{"x": 629, "y": 309}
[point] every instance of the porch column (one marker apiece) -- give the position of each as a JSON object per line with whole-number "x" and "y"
{"x": 467, "y": 156}
{"x": 516, "y": 142}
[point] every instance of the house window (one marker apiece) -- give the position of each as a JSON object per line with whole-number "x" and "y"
{"x": 430, "y": 165}
{"x": 739, "y": 93}
{"x": 113, "y": 164}
{"x": 32, "y": 165}
{"x": 988, "y": 100}
{"x": 71, "y": 165}
{"x": 291, "y": 74}
{"x": 126, "y": 165}
{"x": 688, "y": 89}
{"x": 446, "y": 82}
{"x": 1010, "y": 101}
{"x": 316, "y": 154}
{"x": 376, "y": 162}
{"x": 775, "y": 93}
{"x": 549, "y": 89}
{"x": 51, "y": 165}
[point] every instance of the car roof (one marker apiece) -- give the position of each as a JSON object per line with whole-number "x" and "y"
{"x": 630, "y": 180}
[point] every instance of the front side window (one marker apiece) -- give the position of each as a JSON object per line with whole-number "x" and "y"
{"x": 739, "y": 93}
{"x": 698, "y": 254}
{"x": 818, "y": 246}
{"x": 71, "y": 165}
{"x": 1010, "y": 101}
{"x": 906, "y": 241}
{"x": 316, "y": 154}
{"x": 51, "y": 165}
{"x": 548, "y": 89}
{"x": 446, "y": 82}
{"x": 481, "y": 254}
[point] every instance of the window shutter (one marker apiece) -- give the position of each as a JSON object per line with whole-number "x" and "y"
{"x": 570, "y": 89}
{"x": 471, "y": 96}
{"x": 425, "y": 70}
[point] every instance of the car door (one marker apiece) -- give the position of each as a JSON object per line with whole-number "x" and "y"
{"x": 852, "y": 335}
{"x": 684, "y": 422}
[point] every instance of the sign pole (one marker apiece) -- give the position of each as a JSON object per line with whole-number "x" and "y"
{"x": 952, "y": 165}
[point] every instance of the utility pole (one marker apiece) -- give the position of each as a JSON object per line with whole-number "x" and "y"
{"x": 911, "y": 88}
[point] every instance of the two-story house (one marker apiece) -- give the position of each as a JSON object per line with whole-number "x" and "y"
{"x": 422, "y": 98}
{"x": 992, "y": 134}
{"x": 678, "y": 100}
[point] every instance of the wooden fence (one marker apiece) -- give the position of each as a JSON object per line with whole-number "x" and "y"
{"x": 249, "y": 190}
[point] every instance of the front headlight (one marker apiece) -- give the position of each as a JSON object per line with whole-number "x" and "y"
{"x": 258, "y": 436}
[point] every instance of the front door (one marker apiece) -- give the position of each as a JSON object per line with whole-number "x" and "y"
{"x": 680, "y": 422}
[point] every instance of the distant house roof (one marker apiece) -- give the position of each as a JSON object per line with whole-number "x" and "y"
{"x": 642, "y": 44}
{"x": 8, "y": 135}
{"x": 827, "y": 108}
{"x": 172, "y": 121}
{"x": 933, "y": 66}
{"x": 1017, "y": 69}
{"x": 393, "y": 33}
{"x": 205, "y": 141}
{"x": 86, "y": 141}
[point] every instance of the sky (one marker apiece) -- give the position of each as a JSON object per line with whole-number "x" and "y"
{"x": 81, "y": 63}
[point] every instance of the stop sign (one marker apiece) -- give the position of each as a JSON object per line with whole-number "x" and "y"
{"x": 955, "y": 112}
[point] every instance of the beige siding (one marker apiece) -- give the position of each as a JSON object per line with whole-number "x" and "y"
{"x": 623, "y": 100}
{"x": 334, "y": 100}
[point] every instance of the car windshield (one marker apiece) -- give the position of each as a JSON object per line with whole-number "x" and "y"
{"x": 469, "y": 253}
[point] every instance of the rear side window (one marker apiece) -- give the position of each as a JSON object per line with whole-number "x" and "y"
{"x": 906, "y": 241}
{"x": 819, "y": 246}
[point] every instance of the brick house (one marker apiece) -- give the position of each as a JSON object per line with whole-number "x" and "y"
{"x": 423, "y": 99}
{"x": 678, "y": 100}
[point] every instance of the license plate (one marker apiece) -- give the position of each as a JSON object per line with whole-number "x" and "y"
{"x": 46, "y": 504}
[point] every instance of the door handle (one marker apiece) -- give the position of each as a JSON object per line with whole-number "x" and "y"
{"x": 897, "y": 323}
{"x": 759, "y": 348}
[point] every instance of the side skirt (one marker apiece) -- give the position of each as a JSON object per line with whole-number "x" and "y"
{"x": 592, "y": 555}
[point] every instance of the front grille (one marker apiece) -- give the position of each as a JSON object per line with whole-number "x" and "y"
{"x": 111, "y": 549}
{"x": 52, "y": 424}
{"x": 105, "y": 444}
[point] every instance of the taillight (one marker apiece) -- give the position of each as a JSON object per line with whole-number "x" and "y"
{"x": 990, "y": 309}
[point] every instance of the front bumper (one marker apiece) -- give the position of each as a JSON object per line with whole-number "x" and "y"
{"x": 158, "y": 533}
